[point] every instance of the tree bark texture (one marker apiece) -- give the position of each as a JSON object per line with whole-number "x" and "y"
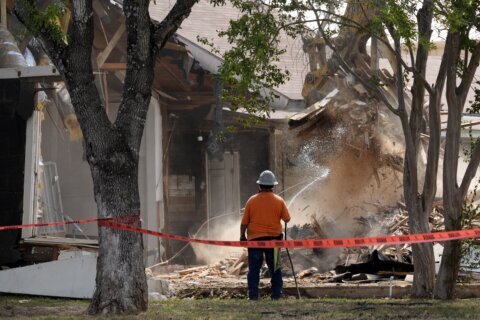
{"x": 423, "y": 258}
{"x": 420, "y": 207}
{"x": 120, "y": 282}
{"x": 112, "y": 149}
{"x": 350, "y": 49}
{"x": 453, "y": 195}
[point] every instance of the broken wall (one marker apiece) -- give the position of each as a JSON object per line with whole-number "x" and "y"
{"x": 76, "y": 185}
{"x": 188, "y": 199}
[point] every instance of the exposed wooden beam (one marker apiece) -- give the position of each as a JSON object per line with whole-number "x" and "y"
{"x": 114, "y": 66}
{"x": 193, "y": 94}
{"x": 102, "y": 57}
{"x": 105, "y": 90}
{"x": 186, "y": 98}
{"x": 104, "y": 33}
{"x": 175, "y": 75}
{"x": 164, "y": 94}
{"x": 3, "y": 8}
{"x": 173, "y": 46}
{"x": 465, "y": 125}
{"x": 186, "y": 105}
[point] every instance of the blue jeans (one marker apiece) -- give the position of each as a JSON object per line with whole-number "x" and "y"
{"x": 255, "y": 262}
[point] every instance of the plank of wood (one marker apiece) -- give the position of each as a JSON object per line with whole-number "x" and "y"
{"x": 102, "y": 57}
{"x": 3, "y": 10}
{"x": 307, "y": 272}
{"x": 191, "y": 270}
{"x": 314, "y": 109}
{"x": 237, "y": 269}
{"x": 114, "y": 66}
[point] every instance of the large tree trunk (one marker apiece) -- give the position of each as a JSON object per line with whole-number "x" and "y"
{"x": 350, "y": 53}
{"x": 452, "y": 203}
{"x": 112, "y": 149}
{"x": 452, "y": 199}
{"x": 120, "y": 282}
{"x": 420, "y": 205}
{"x": 453, "y": 194}
{"x": 450, "y": 264}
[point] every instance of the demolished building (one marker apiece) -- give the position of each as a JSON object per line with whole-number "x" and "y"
{"x": 186, "y": 174}
{"x": 188, "y": 178}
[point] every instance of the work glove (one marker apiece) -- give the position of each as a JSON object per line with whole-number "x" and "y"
{"x": 243, "y": 238}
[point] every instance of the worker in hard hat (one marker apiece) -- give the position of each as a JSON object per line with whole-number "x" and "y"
{"x": 262, "y": 221}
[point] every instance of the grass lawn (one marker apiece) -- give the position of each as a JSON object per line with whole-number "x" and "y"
{"x": 28, "y": 307}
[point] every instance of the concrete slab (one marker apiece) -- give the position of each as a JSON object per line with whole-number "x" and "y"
{"x": 73, "y": 278}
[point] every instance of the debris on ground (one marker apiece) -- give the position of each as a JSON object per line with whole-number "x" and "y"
{"x": 359, "y": 265}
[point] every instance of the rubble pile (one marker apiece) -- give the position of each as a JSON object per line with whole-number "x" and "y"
{"x": 359, "y": 265}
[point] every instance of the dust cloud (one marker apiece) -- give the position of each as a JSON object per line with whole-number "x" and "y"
{"x": 354, "y": 187}
{"x": 332, "y": 176}
{"x": 225, "y": 228}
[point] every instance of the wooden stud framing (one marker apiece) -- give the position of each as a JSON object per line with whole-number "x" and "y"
{"x": 102, "y": 57}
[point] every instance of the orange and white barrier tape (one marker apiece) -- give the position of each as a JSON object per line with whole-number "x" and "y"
{"x": 310, "y": 243}
{"x": 62, "y": 223}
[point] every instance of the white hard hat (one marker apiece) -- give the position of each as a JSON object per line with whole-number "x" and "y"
{"x": 267, "y": 178}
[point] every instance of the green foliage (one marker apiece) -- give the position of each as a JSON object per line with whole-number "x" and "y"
{"x": 400, "y": 16}
{"x": 46, "y": 20}
{"x": 475, "y": 104}
{"x": 471, "y": 210}
{"x": 471, "y": 247}
{"x": 458, "y": 15}
{"x": 473, "y": 109}
{"x": 251, "y": 69}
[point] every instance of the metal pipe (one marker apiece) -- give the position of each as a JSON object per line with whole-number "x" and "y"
{"x": 10, "y": 55}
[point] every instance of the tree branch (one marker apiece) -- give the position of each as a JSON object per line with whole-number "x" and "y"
{"x": 424, "y": 22}
{"x": 145, "y": 39}
{"x": 450, "y": 162}
{"x": 429, "y": 187}
{"x": 165, "y": 29}
{"x": 133, "y": 109}
{"x": 25, "y": 11}
{"x": 470, "y": 172}
{"x": 73, "y": 61}
{"x": 469, "y": 74}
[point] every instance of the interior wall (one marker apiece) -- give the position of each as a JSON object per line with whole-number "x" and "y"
{"x": 187, "y": 208}
{"x": 150, "y": 182}
{"x": 76, "y": 185}
{"x": 186, "y": 189}
{"x": 75, "y": 178}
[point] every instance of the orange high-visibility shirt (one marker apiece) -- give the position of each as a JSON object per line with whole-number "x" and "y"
{"x": 263, "y": 213}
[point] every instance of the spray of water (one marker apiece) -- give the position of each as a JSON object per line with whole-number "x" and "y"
{"x": 322, "y": 176}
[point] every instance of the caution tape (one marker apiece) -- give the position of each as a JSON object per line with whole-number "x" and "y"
{"x": 310, "y": 243}
{"x": 62, "y": 223}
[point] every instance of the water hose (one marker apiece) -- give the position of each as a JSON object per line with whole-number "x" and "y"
{"x": 291, "y": 264}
